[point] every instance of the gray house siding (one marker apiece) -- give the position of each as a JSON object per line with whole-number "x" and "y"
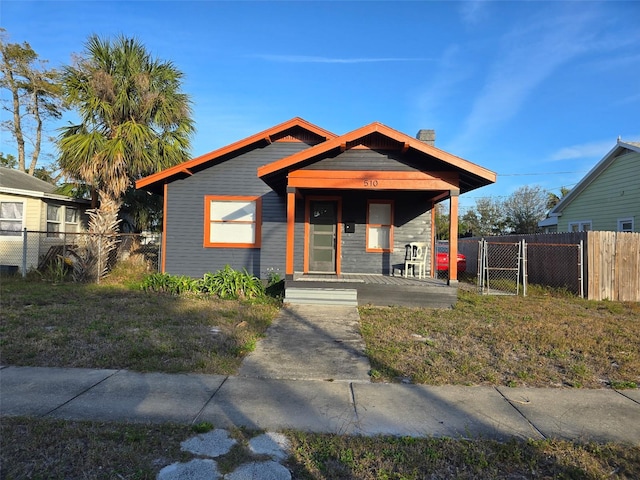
{"x": 412, "y": 222}
{"x": 363, "y": 160}
{"x": 184, "y": 250}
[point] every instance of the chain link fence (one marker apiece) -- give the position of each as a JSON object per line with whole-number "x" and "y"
{"x": 505, "y": 266}
{"x": 75, "y": 255}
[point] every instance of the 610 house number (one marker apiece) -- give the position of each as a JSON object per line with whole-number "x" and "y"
{"x": 370, "y": 183}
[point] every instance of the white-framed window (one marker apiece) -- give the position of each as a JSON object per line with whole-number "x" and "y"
{"x": 11, "y": 218}
{"x": 232, "y": 221}
{"x": 625, "y": 224}
{"x": 54, "y": 221}
{"x": 379, "y": 226}
{"x": 71, "y": 219}
{"x": 582, "y": 226}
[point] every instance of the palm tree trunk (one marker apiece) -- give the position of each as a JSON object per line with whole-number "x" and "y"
{"x": 101, "y": 240}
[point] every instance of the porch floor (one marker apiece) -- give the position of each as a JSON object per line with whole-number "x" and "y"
{"x": 382, "y": 290}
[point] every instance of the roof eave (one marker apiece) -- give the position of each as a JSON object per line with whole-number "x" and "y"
{"x": 155, "y": 181}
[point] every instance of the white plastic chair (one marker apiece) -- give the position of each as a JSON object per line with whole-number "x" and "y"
{"x": 416, "y": 256}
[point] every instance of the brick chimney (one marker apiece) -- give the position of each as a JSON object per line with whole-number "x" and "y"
{"x": 427, "y": 136}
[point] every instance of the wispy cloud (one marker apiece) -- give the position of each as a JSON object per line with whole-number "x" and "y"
{"x": 313, "y": 59}
{"x": 474, "y": 11}
{"x": 584, "y": 151}
{"x": 528, "y": 54}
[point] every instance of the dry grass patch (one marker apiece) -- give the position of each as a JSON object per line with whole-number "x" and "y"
{"x": 33, "y": 448}
{"x": 538, "y": 341}
{"x": 319, "y": 456}
{"x": 112, "y": 326}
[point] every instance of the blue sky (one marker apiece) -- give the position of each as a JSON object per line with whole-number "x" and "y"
{"x": 536, "y": 91}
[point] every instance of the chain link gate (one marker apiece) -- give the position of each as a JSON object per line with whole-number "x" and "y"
{"x": 502, "y": 268}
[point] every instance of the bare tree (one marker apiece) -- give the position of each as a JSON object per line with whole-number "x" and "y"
{"x": 487, "y": 218}
{"x": 35, "y": 95}
{"x": 525, "y": 208}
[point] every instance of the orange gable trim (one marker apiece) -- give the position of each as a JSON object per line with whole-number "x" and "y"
{"x": 215, "y": 154}
{"x": 404, "y": 141}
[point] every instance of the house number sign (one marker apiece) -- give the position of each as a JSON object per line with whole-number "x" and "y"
{"x": 370, "y": 183}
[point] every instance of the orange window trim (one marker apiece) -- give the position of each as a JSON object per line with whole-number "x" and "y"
{"x": 379, "y": 250}
{"x": 228, "y": 198}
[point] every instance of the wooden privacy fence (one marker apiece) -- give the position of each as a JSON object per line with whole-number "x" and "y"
{"x": 614, "y": 266}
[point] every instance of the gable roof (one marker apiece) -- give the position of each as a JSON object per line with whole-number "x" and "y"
{"x": 15, "y": 182}
{"x": 154, "y": 182}
{"x": 471, "y": 175}
{"x": 620, "y": 148}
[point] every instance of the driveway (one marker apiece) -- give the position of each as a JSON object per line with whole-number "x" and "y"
{"x": 311, "y": 342}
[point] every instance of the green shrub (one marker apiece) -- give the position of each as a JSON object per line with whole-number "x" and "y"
{"x": 232, "y": 284}
{"x": 228, "y": 284}
{"x": 173, "y": 284}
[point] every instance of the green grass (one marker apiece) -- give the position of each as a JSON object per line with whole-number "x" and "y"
{"x": 543, "y": 340}
{"x": 57, "y": 449}
{"x": 116, "y": 326}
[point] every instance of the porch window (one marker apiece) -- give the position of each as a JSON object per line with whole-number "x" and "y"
{"x": 379, "y": 226}
{"x": 232, "y": 221}
{"x": 11, "y": 215}
{"x": 54, "y": 220}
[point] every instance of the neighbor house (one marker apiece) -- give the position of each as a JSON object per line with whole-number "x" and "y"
{"x": 29, "y": 203}
{"x": 297, "y": 200}
{"x": 607, "y": 198}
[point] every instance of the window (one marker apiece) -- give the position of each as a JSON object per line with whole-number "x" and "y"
{"x": 583, "y": 226}
{"x": 379, "y": 226}
{"x": 54, "y": 220}
{"x": 625, "y": 224}
{"x": 71, "y": 219}
{"x": 232, "y": 221}
{"x": 11, "y": 214}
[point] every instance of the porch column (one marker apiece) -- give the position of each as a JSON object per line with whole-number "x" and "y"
{"x": 291, "y": 224}
{"x": 453, "y": 237}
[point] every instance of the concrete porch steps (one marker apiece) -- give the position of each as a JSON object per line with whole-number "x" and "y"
{"x": 321, "y": 296}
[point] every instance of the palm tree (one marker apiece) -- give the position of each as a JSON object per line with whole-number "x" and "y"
{"x": 134, "y": 122}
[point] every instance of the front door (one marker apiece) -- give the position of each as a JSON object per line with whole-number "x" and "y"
{"x": 322, "y": 236}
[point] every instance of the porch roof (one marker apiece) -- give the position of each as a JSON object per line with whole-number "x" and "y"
{"x": 379, "y": 136}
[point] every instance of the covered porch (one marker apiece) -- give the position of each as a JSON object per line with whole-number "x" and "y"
{"x": 370, "y": 289}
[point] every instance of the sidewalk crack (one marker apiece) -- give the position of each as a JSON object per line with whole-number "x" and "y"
{"x": 513, "y": 405}
{"x": 80, "y": 394}
{"x": 209, "y": 400}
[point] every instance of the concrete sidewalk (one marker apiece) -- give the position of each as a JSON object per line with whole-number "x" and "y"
{"x": 321, "y": 406}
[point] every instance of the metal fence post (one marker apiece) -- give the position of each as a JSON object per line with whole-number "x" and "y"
{"x": 99, "y": 258}
{"x": 581, "y": 267}
{"x": 24, "y": 253}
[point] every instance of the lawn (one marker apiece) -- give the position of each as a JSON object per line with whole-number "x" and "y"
{"x": 115, "y": 326}
{"x": 542, "y": 340}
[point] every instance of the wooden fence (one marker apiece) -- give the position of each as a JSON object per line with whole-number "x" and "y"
{"x": 614, "y": 266}
{"x": 610, "y": 263}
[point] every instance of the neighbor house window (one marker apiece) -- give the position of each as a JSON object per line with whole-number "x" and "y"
{"x": 54, "y": 220}
{"x": 11, "y": 215}
{"x": 71, "y": 219}
{"x": 232, "y": 221}
{"x": 625, "y": 224}
{"x": 379, "y": 226}
{"x": 584, "y": 226}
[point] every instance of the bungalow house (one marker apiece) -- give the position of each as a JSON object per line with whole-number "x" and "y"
{"x": 607, "y": 198}
{"x": 296, "y": 200}
{"x": 29, "y": 203}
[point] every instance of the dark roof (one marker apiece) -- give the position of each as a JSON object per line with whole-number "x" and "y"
{"x": 11, "y": 178}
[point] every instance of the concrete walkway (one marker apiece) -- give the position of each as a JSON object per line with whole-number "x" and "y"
{"x": 321, "y": 406}
{"x": 311, "y": 342}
